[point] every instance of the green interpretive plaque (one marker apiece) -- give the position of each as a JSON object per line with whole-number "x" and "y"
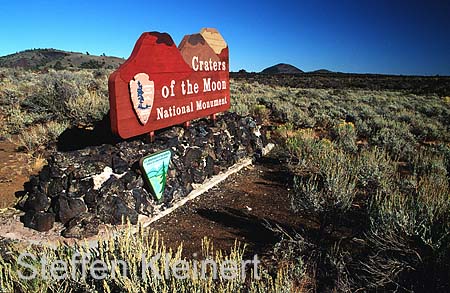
{"x": 155, "y": 167}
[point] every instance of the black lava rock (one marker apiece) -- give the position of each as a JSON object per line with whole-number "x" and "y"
{"x": 119, "y": 165}
{"x": 83, "y": 226}
{"x": 209, "y": 168}
{"x": 81, "y": 187}
{"x": 57, "y": 186}
{"x": 192, "y": 156}
{"x": 44, "y": 175}
{"x": 142, "y": 201}
{"x": 112, "y": 186}
{"x": 113, "y": 210}
{"x": 37, "y": 201}
{"x": 68, "y": 208}
{"x": 39, "y": 221}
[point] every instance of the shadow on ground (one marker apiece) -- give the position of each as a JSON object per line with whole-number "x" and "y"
{"x": 258, "y": 232}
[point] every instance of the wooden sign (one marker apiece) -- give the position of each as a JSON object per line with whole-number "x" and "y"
{"x": 161, "y": 85}
{"x": 155, "y": 169}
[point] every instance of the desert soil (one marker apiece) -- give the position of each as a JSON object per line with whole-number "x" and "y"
{"x": 14, "y": 172}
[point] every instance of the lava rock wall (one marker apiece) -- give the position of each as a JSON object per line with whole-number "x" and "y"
{"x": 103, "y": 184}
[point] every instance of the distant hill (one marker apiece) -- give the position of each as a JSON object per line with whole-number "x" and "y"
{"x": 321, "y": 71}
{"x": 58, "y": 59}
{"x": 282, "y": 69}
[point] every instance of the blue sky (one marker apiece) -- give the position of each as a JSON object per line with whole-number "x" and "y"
{"x": 394, "y": 37}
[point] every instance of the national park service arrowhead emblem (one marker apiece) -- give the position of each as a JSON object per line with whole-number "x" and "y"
{"x": 142, "y": 94}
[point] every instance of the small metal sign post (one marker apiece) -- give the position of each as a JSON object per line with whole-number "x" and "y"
{"x": 154, "y": 168}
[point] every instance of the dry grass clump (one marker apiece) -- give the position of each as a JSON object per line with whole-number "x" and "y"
{"x": 38, "y": 162}
{"x": 136, "y": 251}
{"x": 40, "y": 135}
{"x": 87, "y": 108}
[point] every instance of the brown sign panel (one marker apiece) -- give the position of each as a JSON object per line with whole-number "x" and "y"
{"x": 161, "y": 85}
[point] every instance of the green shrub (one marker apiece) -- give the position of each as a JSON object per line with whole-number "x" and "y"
{"x": 345, "y": 136}
{"x": 328, "y": 193}
{"x": 396, "y": 140}
{"x": 362, "y": 128}
{"x": 57, "y": 88}
{"x": 92, "y": 64}
{"x": 425, "y": 129}
{"x": 324, "y": 194}
{"x": 427, "y": 162}
{"x": 17, "y": 119}
{"x": 57, "y": 91}
{"x": 301, "y": 119}
{"x": 376, "y": 171}
{"x": 409, "y": 236}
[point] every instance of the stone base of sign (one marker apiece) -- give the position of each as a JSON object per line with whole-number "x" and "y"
{"x": 12, "y": 229}
{"x": 100, "y": 186}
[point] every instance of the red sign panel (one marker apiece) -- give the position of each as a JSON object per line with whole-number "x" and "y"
{"x": 161, "y": 85}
